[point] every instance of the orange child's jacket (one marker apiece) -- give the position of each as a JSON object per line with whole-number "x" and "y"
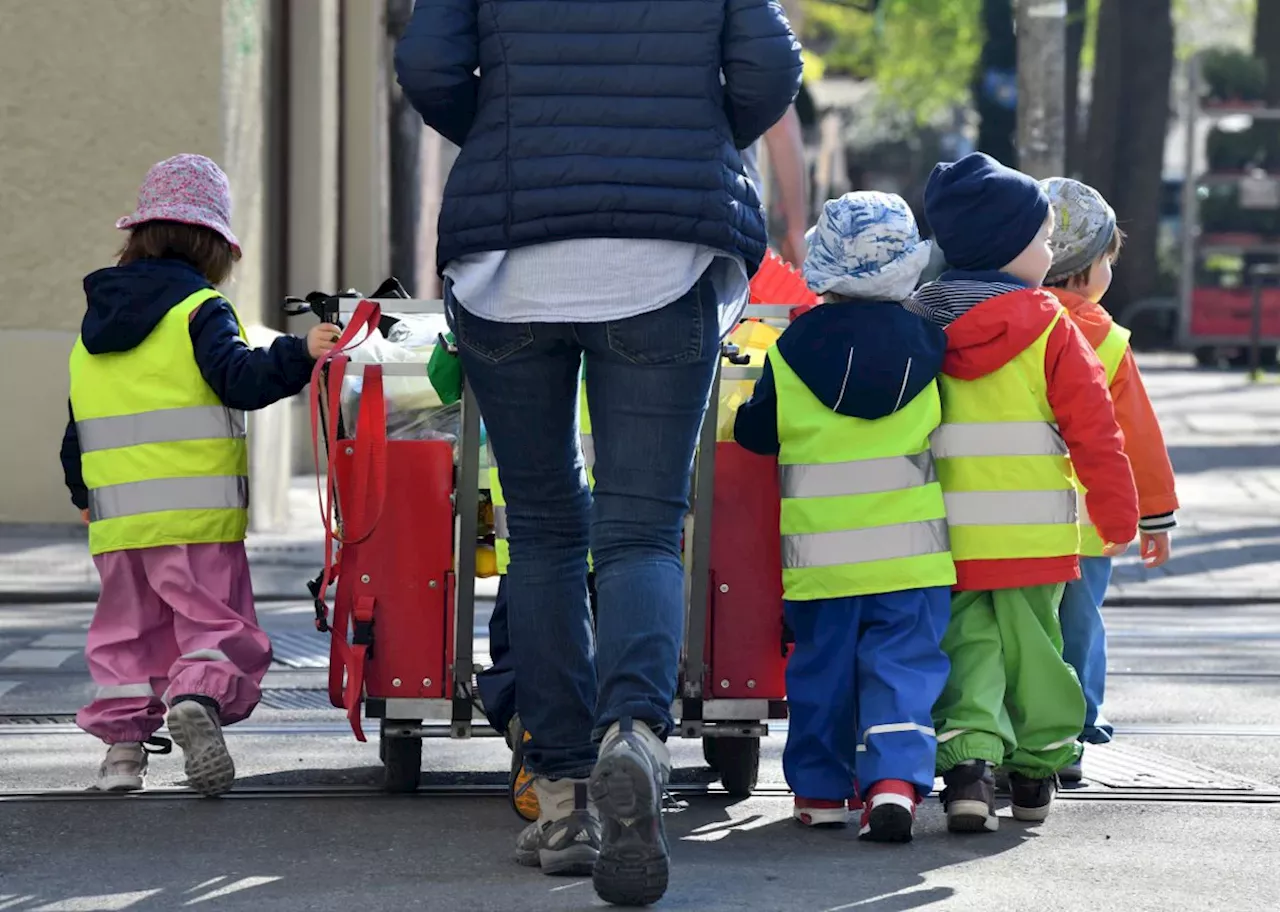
{"x": 1143, "y": 440}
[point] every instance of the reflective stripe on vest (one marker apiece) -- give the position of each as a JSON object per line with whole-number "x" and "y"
{"x": 1007, "y": 482}
{"x": 1111, "y": 354}
{"x": 1010, "y": 508}
{"x": 994, "y": 438}
{"x": 860, "y": 546}
{"x": 165, "y": 462}
{"x": 197, "y": 422}
{"x": 201, "y": 492}
{"x": 867, "y": 476}
{"x": 861, "y": 510}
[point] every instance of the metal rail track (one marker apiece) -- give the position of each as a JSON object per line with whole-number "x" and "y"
{"x": 680, "y": 790}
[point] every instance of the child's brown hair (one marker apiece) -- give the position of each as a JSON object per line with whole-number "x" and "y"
{"x": 205, "y": 249}
{"x": 1112, "y": 252}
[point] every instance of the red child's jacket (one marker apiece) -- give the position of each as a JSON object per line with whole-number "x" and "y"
{"x": 985, "y": 339}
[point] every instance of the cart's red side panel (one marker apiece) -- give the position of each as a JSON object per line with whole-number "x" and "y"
{"x": 407, "y": 559}
{"x": 744, "y": 642}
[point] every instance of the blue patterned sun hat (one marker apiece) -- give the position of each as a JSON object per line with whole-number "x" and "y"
{"x": 866, "y": 245}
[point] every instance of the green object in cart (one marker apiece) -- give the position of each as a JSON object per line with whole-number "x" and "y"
{"x": 445, "y": 373}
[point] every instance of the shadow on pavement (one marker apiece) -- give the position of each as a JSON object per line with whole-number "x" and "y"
{"x": 386, "y": 852}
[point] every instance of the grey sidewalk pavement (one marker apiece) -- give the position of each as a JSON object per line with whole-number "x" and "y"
{"x": 1223, "y": 434}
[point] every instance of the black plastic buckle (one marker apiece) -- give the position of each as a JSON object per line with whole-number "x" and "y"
{"x": 322, "y": 616}
{"x": 362, "y": 634}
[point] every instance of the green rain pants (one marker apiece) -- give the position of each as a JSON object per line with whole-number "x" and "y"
{"x": 1010, "y": 698}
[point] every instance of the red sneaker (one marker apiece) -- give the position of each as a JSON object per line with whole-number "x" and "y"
{"x": 819, "y": 812}
{"x": 889, "y": 812}
{"x": 855, "y": 804}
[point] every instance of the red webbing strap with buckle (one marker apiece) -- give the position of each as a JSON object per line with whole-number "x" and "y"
{"x": 361, "y": 506}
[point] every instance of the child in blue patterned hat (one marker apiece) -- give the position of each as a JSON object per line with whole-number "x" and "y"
{"x": 847, "y": 402}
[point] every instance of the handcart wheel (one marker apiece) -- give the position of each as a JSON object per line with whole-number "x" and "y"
{"x": 709, "y": 753}
{"x": 402, "y": 764}
{"x": 738, "y": 762}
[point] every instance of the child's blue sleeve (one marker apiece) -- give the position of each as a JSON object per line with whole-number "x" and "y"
{"x": 246, "y": 378}
{"x": 72, "y": 473}
{"x": 756, "y": 425}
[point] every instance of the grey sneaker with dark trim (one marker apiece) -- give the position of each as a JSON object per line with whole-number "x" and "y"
{"x": 627, "y": 786}
{"x": 565, "y": 839}
{"x": 970, "y": 798}
{"x": 1032, "y": 798}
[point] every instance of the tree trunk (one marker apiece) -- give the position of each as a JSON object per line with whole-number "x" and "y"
{"x": 1042, "y": 52}
{"x": 1127, "y": 127}
{"x": 1077, "y": 20}
{"x": 1266, "y": 44}
{"x": 994, "y": 85}
{"x": 406, "y": 161}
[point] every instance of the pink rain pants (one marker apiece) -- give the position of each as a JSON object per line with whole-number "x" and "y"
{"x": 171, "y": 621}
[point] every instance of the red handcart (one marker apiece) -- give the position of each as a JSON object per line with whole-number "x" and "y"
{"x": 403, "y": 520}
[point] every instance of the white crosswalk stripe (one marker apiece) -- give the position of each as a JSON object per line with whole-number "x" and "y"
{"x": 36, "y": 659}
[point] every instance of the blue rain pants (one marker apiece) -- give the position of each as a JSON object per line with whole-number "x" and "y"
{"x": 1084, "y": 642}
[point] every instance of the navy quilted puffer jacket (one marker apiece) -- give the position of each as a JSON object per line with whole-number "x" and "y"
{"x": 599, "y": 118}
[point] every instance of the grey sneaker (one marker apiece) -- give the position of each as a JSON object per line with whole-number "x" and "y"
{"x": 970, "y": 798}
{"x": 196, "y": 729}
{"x": 565, "y": 839}
{"x": 124, "y": 769}
{"x": 1073, "y": 773}
{"x": 627, "y": 786}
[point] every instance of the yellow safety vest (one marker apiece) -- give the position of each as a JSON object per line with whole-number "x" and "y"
{"x": 1004, "y": 468}
{"x": 862, "y": 510}
{"x": 164, "y": 460}
{"x": 501, "y": 545}
{"x": 1111, "y": 354}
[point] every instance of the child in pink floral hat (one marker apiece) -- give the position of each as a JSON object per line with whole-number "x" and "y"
{"x": 155, "y": 458}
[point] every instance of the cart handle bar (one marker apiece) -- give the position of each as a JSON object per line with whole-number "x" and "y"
{"x": 436, "y": 306}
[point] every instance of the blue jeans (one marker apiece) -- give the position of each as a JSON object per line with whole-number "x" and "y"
{"x": 648, "y": 378}
{"x": 497, "y": 683}
{"x": 1084, "y": 641}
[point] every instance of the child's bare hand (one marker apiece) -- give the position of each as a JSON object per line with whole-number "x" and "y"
{"x": 1113, "y": 549}
{"x": 321, "y": 339}
{"x": 1155, "y": 548}
{"x": 84, "y": 517}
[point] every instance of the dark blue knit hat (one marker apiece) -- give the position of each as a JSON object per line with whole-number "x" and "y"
{"x": 983, "y": 214}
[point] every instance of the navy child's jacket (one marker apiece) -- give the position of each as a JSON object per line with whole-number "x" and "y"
{"x": 864, "y": 359}
{"x": 127, "y": 302}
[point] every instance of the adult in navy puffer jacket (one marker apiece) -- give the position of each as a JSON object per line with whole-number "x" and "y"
{"x": 598, "y": 216}
{"x": 126, "y": 303}
{"x": 593, "y": 119}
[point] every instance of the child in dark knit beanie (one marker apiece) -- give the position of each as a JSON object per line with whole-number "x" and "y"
{"x": 1023, "y": 399}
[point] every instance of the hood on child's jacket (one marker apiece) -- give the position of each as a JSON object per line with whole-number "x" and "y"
{"x": 1091, "y": 318}
{"x": 997, "y": 319}
{"x": 864, "y": 359}
{"x": 127, "y": 302}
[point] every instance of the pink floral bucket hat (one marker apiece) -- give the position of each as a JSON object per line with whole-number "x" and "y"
{"x": 190, "y": 189}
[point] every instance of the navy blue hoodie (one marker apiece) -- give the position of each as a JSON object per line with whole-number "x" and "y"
{"x": 865, "y": 359}
{"x": 127, "y": 302}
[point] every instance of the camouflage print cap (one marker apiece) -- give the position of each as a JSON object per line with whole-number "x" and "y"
{"x": 1083, "y": 225}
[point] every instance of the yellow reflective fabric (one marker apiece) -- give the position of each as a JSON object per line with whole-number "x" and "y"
{"x": 501, "y": 546}
{"x": 862, "y": 510}
{"x": 148, "y": 486}
{"x": 1004, "y": 469}
{"x": 1111, "y": 354}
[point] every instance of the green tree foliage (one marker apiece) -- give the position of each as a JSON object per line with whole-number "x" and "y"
{"x": 921, "y": 53}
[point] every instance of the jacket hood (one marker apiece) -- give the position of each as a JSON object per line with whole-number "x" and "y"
{"x": 864, "y": 359}
{"x": 1091, "y": 318}
{"x": 127, "y": 302}
{"x": 994, "y": 332}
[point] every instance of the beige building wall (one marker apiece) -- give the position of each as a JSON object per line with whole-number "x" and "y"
{"x": 93, "y": 93}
